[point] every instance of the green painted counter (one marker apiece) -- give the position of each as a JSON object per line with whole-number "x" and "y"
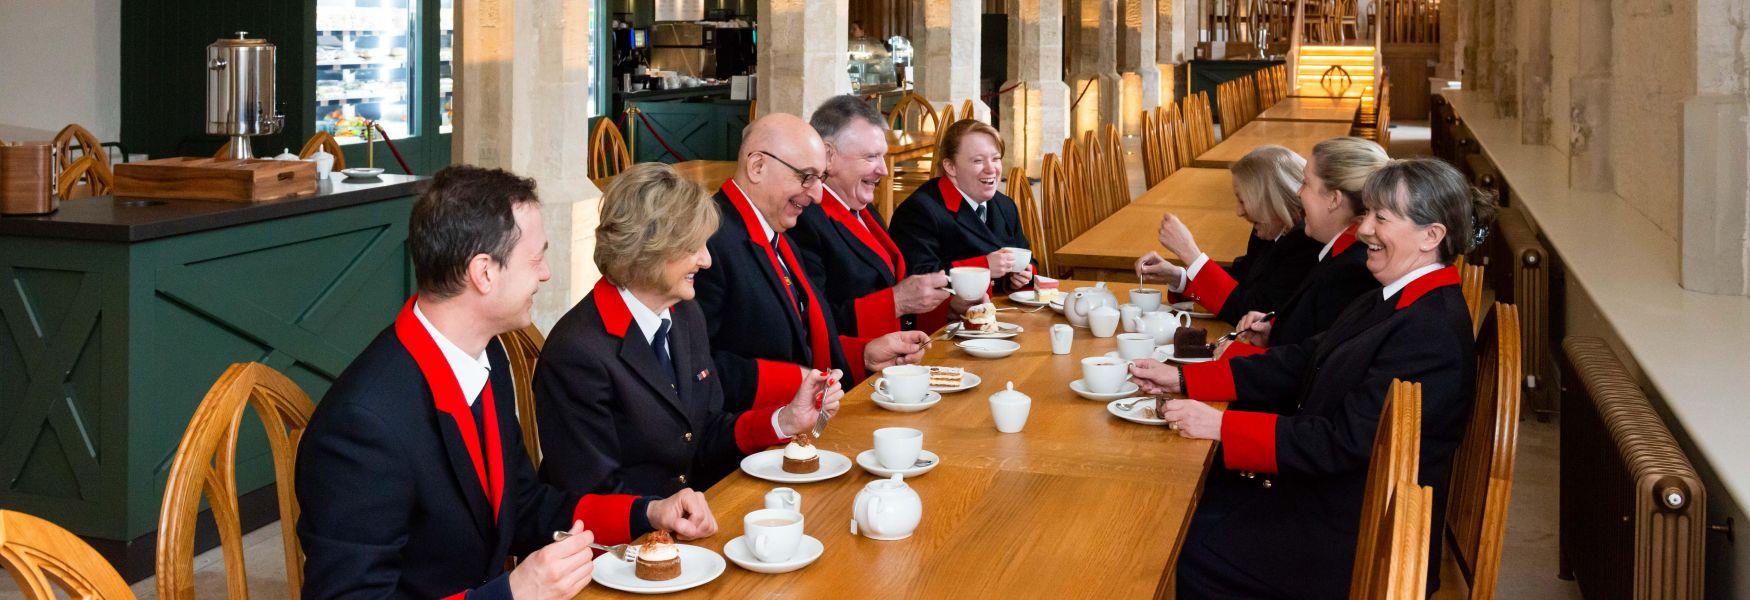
{"x": 117, "y": 316}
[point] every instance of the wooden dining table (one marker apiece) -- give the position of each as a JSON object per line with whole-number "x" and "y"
{"x": 1203, "y": 199}
{"x": 1078, "y": 504}
{"x": 1299, "y": 137}
{"x": 709, "y": 174}
{"x": 1314, "y": 110}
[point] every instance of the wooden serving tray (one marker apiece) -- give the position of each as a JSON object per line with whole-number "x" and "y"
{"x": 250, "y": 180}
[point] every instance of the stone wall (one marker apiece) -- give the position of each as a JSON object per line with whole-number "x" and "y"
{"x": 1653, "y": 61}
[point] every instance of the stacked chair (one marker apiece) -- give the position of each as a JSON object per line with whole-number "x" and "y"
{"x": 1238, "y": 100}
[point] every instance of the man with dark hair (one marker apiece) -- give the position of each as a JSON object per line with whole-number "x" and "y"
{"x": 412, "y": 477}
{"x": 843, "y": 238}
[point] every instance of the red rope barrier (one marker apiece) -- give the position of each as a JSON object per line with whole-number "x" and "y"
{"x": 1084, "y": 92}
{"x": 647, "y": 127}
{"x": 392, "y": 149}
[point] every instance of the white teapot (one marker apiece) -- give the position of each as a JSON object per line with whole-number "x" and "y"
{"x": 887, "y": 509}
{"x": 1162, "y": 324}
{"x": 1084, "y": 300}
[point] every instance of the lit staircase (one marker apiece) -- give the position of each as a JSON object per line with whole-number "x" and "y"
{"x": 1313, "y": 62}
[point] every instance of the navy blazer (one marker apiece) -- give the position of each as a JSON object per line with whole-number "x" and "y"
{"x": 936, "y": 229}
{"x": 757, "y": 338}
{"x": 391, "y": 503}
{"x": 613, "y": 422}
{"x": 1324, "y": 396}
{"x": 1333, "y": 285}
{"x": 1261, "y": 280}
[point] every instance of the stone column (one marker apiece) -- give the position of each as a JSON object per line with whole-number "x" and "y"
{"x": 1716, "y": 155}
{"x": 1506, "y": 57}
{"x": 801, "y": 54}
{"x": 946, "y": 46}
{"x": 1036, "y": 110}
{"x": 1589, "y": 97}
{"x": 1171, "y": 47}
{"x": 523, "y": 104}
{"x": 1136, "y": 59}
{"x": 1451, "y": 35}
{"x": 1479, "y": 75}
{"x": 1534, "y": 74}
{"x": 1096, "y": 90}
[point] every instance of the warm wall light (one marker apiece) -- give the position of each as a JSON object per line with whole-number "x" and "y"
{"x": 680, "y": 10}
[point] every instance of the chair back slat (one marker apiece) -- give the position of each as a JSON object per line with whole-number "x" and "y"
{"x": 1471, "y": 278}
{"x": 1393, "y": 464}
{"x": 324, "y": 141}
{"x": 1482, "y": 471}
{"x": 608, "y": 155}
{"x": 523, "y": 348}
{"x": 205, "y": 465}
{"x": 74, "y": 143}
{"x": 1054, "y": 191}
{"x": 1117, "y": 171}
{"x": 912, "y": 113}
{"x": 1032, "y": 218}
{"x": 1398, "y": 564}
{"x": 46, "y": 561}
{"x": 884, "y": 192}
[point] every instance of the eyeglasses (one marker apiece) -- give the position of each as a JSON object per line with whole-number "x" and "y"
{"x": 807, "y": 176}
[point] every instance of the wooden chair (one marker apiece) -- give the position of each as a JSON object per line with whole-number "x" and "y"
{"x": 1054, "y": 210}
{"x": 523, "y": 348}
{"x": 1471, "y": 278}
{"x": 1482, "y": 474}
{"x": 75, "y": 142}
{"x": 1117, "y": 170}
{"x": 913, "y": 113}
{"x": 67, "y": 183}
{"x": 1399, "y": 562}
{"x": 1395, "y": 459}
{"x": 884, "y": 192}
{"x": 1032, "y": 223}
{"x": 946, "y": 118}
{"x": 608, "y": 155}
{"x": 1152, "y": 162}
{"x": 966, "y": 110}
{"x": 753, "y": 110}
{"x": 205, "y": 464}
{"x": 46, "y": 561}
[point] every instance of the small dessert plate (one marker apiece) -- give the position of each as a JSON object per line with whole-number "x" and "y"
{"x": 989, "y": 348}
{"x": 1081, "y": 389}
{"x": 1026, "y": 298}
{"x": 1004, "y": 331}
{"x": 362, "y": 172}
{"x": 769, "y": 465}
{"x": 806, "y": 553}
{"x": 1190, "y": 306}
{"x": 883, "y": 401}
{"x": 1057, "y": 306}
{"x": 699, "y": 566}
{"x": 968, "y": 380}
{"x": 867, "y": 460}
{"x": 1165, "y": 353}
{"x": 1141, "y": 413}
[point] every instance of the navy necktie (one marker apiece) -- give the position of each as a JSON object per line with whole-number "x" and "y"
{"x": 980, "y": 212}
{"x": 660, "y": 345}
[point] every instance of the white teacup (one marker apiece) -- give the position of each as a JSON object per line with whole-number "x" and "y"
{"x": 1149, "y": 299}
{"x": 1132, "y": 346}
{"x": 1022, "y": 256}
{"x": 1103, "y": 375}
{"x": 1103, "y": 321}
{"x": 1130, "y": 317}
{"x": 1062, "y": 336}
{"x": 905, "y": 384}
{"x": 898, "y": 447}
{"x": 969, "y": 282}
{"x": 772, "y": 534}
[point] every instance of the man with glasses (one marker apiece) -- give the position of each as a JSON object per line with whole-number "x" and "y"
{"x": 763, "y": 310}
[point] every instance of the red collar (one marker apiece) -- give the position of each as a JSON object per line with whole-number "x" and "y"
{"x": 615, "y": 315}
{"x": 951, "y": 196}
{"x": 866, "y": 230}
{"x": 1343, "y": 242}
{"x": 744, "y": 207}
{"x": 1428, "y": 282}
{"x": 446, "y": 395}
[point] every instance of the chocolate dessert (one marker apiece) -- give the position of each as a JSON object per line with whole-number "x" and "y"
{"x": 1192, "y": 342}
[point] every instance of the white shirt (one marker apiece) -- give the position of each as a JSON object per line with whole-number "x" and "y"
{"x": 1398, "y": 285}
{"x": 472, "y": 372}
{"x": 1328, "y": 245}
{"x": 648, "y": 321}
{"x": 764, "y": 226}
{"x": 976, "y": 204}
{"x": 1189, "y": 274}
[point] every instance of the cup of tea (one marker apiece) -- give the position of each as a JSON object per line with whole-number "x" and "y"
{"x": 969, "y": 282}
{"x": 1132, "y": 346}
{"x": 1149, "y": 299}
{"x": 905, "y": 384}
{"x": 898, "y": 447}
{"x": 1104, "y": 375}
{"x": 1022, "y": 256}
{"x": 772, "y": 534}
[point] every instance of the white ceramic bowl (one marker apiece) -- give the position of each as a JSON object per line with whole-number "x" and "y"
{"x": 989, "y": 348}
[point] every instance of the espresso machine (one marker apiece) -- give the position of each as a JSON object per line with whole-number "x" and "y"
{"x": 241, "y": 99}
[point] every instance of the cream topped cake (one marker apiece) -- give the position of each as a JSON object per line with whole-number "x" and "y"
{"x": 982, "y": 317}
{"x": 658, "y": 558}
{"x": 1046, "y": 290}
{"x": 800, "y": 455}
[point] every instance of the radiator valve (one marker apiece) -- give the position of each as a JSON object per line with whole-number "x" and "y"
{"x": 1673, "y": 498}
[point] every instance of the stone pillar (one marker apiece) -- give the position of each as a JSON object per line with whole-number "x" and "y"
{"x": 1451, "y": 35}
{"x": 1506, "y": 57}
{"x": 1716, "y": 155}
{"x": 1036, "y": 110}
{"x": 1534, "y": 74}
{"x": 1136, "y": 59}
{"x": 1171, "y": 45}
{"x": 1589, "y": 97}
{"x": 1479, "y": 75}
{"x": 801, "y": 54}
{"x": 946, "y": 46}
{"x": 1096, "y": 90}
{"x": 523, "y": 104}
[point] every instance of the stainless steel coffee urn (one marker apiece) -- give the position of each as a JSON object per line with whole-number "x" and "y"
{"x": 240, "y": 91}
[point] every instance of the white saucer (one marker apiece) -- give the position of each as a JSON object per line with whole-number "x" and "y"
{"x": 883, "y": 401}
{"x": 1136, "y": 415}
{"x": 362, "y": 172}
{"x": 769, "y": 465}
{"x": 698, "y": 567}
{"x": 1004, "y": 331}
{"x": 968, "y": 380}
{"x": 1026, "y": 298}
{"x": 866, "y": 459}
{"x": 1081, "y": 389}
{"x": 806, "y": 553}
{"x": 1165, "y": 353}
{"x": 989, "y": 348}
{"x": 1190, "y": 306}
{"x": 1057, "y": 306}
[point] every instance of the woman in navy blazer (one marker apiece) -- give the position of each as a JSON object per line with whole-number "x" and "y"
{"x": 627, "y": 396}
{"x": 1290, "y": 532}
{"x": 960, "y": 219}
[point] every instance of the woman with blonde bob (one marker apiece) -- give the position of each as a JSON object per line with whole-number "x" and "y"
{"x": 1279, "y": 254}
{"x": 626, "y": 394}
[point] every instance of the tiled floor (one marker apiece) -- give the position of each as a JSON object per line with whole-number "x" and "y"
{"x": 1528, "y": 562}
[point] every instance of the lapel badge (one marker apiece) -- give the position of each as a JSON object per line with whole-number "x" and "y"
{"x": 703, "y": 373}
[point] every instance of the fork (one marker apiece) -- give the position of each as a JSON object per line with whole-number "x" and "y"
{"x": 621, "y": 551}
{"x": 1131, "y": 405}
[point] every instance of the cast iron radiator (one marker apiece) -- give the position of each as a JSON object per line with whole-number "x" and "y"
{"x": 1519, "y": 270}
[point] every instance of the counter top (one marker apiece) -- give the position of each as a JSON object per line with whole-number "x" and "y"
{"x": 1691, "y": 346}
{"x": 110, "y": 219}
